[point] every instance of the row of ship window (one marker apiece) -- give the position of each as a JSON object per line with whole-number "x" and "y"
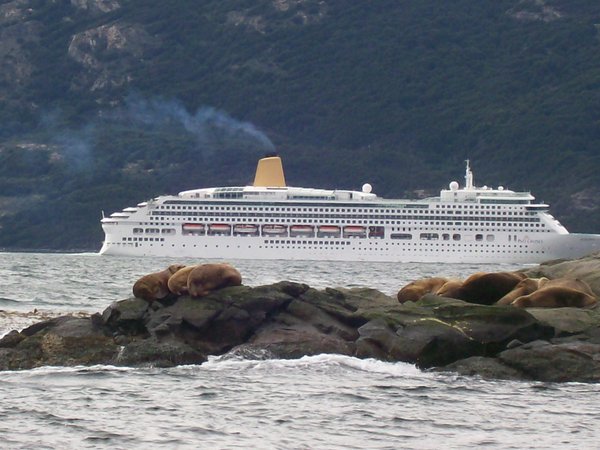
{"x": 463, "y": 229}
{"x": 319, "y": 208}
{"x": 310, "y": 242}
{"x": 426, "y": 219}
{"x": 375, "y": 232}
{"x": 397, "y": 236}
{"x": 531, "y": 217}
{"x": 540, "y": 228}
{"x": 140, "y": 239}
{"x": 319, "y": 242}
{"x": 276, "y": 244}
{"x": 388, "y": 222}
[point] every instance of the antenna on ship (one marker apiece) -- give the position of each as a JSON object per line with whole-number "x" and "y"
{"x": 468, "y": 177}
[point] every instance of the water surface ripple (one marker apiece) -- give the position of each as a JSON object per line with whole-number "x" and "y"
{"x": 324, "y": 401}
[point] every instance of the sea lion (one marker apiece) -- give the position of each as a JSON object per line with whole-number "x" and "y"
{"x": 177, "y": 284}
{"x": 571, "y": 283}
{"x": 484, "y": 288}
{"x": 555, "y": 297}
{"x": 208, "y": 277}
{"x": 154, "y": 286}
{"x": 414, "y": 290}
{"x": 450, "y": 289}
{"x": 524, "y": 287}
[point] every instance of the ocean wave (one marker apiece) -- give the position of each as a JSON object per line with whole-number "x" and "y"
{"x": 44, "y": 371}
{"x": 316, "y": 362}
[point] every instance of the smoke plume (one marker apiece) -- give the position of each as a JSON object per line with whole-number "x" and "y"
{"x": 73, "y": 145}
{"x": 207, "y": 124}
{"x": 213, "y": 130}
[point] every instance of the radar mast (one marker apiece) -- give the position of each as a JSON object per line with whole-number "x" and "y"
{"x": 468, "y": 176}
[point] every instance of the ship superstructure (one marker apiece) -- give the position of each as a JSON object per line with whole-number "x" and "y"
{"x": 270, "y": 220}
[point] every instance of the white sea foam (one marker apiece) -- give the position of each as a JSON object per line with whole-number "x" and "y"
{"x": 316, "y": 362}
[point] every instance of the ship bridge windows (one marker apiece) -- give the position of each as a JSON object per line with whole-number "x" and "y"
{"x": 503, "y": 201}
{"x": 228, "y": 195}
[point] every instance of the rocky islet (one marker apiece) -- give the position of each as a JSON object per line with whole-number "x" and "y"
{"x": 291, "y": 320}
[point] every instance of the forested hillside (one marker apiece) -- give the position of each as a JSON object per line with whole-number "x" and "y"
{"x": 105, "y": 103}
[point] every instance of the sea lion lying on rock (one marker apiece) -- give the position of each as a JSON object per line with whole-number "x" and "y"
{"x": 414, "y": 290}
{"x": 555, "y": 297}
{"x": 524, "y": 287}
{"x": 449, "y": 288}
{"x": 570, "y": 283}
{"x": 178, "y": 283}
{"x": 205, "y": 278}
{"x": 154, "y": 286}
{"x": 558, "y": 293}
{"x": 484, "y": 288}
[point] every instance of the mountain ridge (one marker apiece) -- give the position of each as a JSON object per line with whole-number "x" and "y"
{"x": 106, "y": 103}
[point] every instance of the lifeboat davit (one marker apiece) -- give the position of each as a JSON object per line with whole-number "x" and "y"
{"x": 219, "y": 228}
{"x": 245, "y": 229}
{"x": 274, "y": 230}
{"x": 193, "y": 228}
{"x": 355, "y": 231}
{"x": 329, "y": 231}
{"x": 302, "y": 230}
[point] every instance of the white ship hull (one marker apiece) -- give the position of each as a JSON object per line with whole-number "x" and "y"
{"x": 380, "y": 250}
{"x": 273, "y": 221}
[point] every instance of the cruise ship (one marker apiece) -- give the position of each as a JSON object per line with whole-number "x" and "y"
{"x": 270, "y": 220}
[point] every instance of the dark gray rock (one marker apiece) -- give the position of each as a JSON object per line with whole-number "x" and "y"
{"x": 291, "y": 320}
{"x": 488, "y": 368}
{"x": 567, "y": 321}
{"x": 378, "y": 340}
{"x": 427, "y": 342}
{"x": 11, "y": 339}
{"x": 63, "y": 341}
{"x": 436, "y": 343}
{"x": 303, "y": 328}
{"x": 544, "y": 361}
{"x": 126, "y": 316}
{"x": 156, "y": 353}
{"x": 322, "y": 320}
{"x": 492, "y": 326}
{"x": 297, "y": 339}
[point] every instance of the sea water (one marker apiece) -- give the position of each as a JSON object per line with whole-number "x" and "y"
{"x": 324, "y": 401}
